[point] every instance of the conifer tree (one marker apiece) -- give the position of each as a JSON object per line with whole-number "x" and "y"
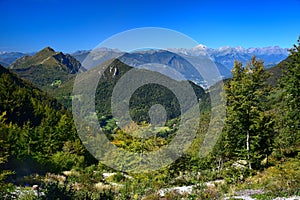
{"x": 245, "y": 95}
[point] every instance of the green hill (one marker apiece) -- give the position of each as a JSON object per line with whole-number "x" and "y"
{"x": 46, "y": 69}
{"x": 140, "y": 102}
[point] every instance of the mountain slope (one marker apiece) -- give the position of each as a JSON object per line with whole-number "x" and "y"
{"x": 19, "y": 99}
{"x": 34, "y": 128}
{"x": 46, "y": 69}
{"x": 170, "y": 59}
{"x": 140, "y": 102}
{"x": 276, "y": 72}
{"x": 179, "y": 62}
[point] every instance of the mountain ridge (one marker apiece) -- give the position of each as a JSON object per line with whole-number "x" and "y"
{"x": 224, "y": 55}
{"x": 271, "y": 54}
{"x": 47, "y": 68}
{"x": 61, "y": 67}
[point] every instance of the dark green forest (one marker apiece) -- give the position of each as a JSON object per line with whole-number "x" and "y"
{"x": 259, "y": 147}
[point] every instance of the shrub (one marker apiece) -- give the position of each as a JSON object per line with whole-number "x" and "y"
{"x": 66, "y": 161}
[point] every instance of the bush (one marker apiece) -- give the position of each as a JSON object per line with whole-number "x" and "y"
{"x": 233, "y": 175}
{"x": 66, "y": 161}
{"x": 54, "y": 190}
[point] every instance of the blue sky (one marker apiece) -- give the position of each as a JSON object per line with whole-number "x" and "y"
{"x": 30, "y": 25}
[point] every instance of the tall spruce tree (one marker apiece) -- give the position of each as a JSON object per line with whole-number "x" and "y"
{"x": 244, "y": 129}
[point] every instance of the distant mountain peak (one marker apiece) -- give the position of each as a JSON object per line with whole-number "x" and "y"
{"x": 199, "y": 47}
{"x": 100, "y": 49}
{"x": 46, "y": 52}
{"x": 240, "y": 48}
{"x": 46, "y": 67}
{"x": 48, "y": 49}
{"x": 223, "y": 48}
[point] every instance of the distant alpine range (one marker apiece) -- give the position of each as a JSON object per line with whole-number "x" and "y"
{"x": 183, "y": 60}
{"x": 178, "y": 59}
{"x": 224, "y": 55}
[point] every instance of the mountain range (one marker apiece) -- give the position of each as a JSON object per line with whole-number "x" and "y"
{"x": 55, "y": 72}
{"x": 223, "y": 55}
{"x": 48, "y": 69}
{"x": 226, "y": 55}
{"x": 190, "y": 64}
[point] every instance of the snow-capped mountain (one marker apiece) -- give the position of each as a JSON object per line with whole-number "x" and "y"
{"x": 199, "y": 50}
{"x": 227, "y": 55}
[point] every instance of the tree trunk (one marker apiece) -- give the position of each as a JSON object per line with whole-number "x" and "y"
{"x": 248, "y": 149}
{"x": 28, "y": 148}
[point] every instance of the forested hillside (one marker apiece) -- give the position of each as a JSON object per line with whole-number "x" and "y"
{"x": 37, "y": 133}
{"x": 141, "y": 100}
{"x": 258, "y": 149}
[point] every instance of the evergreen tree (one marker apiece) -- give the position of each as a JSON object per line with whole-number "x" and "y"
{"x": 244, "y": 130}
